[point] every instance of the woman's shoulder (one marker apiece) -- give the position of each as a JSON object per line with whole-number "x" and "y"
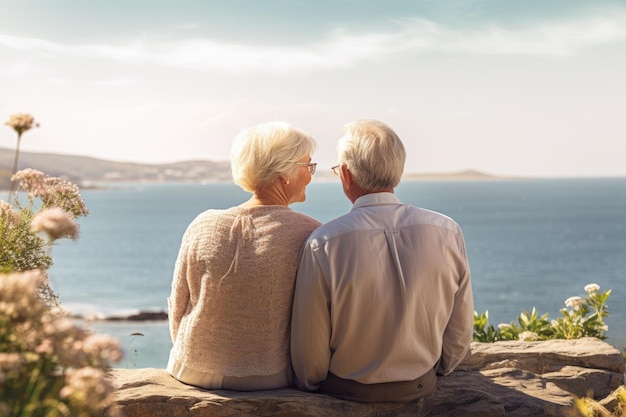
{"x": 208, "y": 217}
{"x": 298, "y": 217}
{"x": 266, "y": 214}
{"x": 302, "y": 224}
{"x": 210, "y": 214}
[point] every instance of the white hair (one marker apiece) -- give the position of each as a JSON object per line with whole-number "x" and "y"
{"x": 373, "y": 153}
{"x": 263, "y": 152}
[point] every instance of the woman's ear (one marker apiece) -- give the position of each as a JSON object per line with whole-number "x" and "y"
{"x": 285, "y": 179}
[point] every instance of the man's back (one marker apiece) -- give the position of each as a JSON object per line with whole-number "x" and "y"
{"x": 381, "y": 292}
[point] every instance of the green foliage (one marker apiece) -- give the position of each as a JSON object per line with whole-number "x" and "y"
{"x": 483, "y": 331}
{"x": 29, "y": 377}
{"x": 20, "y": 248}
{"x": 581, "y": 318}
{"x": 533, "y": 326}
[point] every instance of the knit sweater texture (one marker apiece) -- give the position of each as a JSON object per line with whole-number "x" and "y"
{"x": 232, "y": 291}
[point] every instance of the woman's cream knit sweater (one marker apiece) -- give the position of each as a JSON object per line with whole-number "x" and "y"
{"x": 230, "y": 306}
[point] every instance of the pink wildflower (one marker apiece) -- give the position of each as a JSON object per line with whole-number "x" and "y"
{"x": 19, "y": 296}
{"x": 56, "y": 222}
{"x": 103, "y": 348}
{"x": 30, "y": 180}
{"x": 6, "y": 212}
{"x": 10, "y": 361}
{"x": 46, "y": 347}
{"x": 64, "y": 194}
{"x": 17, "y": 285}
{"x": 91, "y": 383}
{"x": 21, "y": 122}
{"x": 53, "y": 191}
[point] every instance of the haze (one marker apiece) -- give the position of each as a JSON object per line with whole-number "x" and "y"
{"x": 527, "y": 88}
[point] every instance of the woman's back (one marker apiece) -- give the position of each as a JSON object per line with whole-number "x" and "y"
{"x": 239, "y": 266}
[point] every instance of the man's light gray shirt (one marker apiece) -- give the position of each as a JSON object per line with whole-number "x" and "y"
{"x": 383, "y": 293}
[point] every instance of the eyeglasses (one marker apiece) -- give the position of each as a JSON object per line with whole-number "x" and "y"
{"x": 310, "y": 166}
{"x": 335, "y": 170}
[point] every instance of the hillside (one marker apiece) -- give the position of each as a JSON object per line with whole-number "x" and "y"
{"x": 84, "y": 170}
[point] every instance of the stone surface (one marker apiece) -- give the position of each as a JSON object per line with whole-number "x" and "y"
{"x": 498, "y": 379}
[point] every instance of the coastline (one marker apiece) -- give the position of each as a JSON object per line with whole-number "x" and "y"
{"x": 139, "y": 316}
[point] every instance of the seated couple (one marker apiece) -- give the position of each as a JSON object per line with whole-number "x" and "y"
{"x": 369, "y": 307}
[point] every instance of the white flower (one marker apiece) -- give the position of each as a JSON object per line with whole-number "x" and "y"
{"x": 592, "y": 288}
{"x": 574, "y": 302}
{"x": 503, "y": 326}
{"x": 56, "y": 222}
{"x": 528, "y": 336}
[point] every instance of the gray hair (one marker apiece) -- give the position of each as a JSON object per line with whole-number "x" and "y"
{"x": 264, "y": 152}
{"x": 373, "y": 153}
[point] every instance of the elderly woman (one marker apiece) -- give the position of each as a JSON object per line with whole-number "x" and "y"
{"x": 230, "y": 306}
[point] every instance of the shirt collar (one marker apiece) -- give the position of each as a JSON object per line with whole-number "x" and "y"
{"x": 375, "y": 199}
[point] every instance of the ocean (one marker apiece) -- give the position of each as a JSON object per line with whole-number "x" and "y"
{"x": 531, "y": 243}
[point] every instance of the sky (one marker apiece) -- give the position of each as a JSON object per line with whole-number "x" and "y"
{"x": 506, "y": 87}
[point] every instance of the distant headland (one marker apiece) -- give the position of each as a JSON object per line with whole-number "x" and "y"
{"x": 456, "y": 176}
{"x": 86, "y": 171}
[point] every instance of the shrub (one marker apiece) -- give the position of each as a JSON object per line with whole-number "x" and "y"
{"x": 29, "y": 228}
{"x": 48, "y": 366}
{"x": 580, "y": 318}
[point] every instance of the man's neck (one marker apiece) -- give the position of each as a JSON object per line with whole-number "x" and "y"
{"x": 361, "y": 192}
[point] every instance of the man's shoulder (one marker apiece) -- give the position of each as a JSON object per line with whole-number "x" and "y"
{"x": 339, "y": 225}
{"x": 428, "y": 214}
{"x": 421, "y": 216}
{"x": 380, "y": 217}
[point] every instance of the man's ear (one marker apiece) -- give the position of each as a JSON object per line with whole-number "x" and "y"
{"x": 346, "y": 175}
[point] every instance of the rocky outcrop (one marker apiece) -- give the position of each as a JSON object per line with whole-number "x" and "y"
{"x": 498, "y": 379}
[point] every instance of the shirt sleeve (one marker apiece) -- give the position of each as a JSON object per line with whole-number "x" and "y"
{"x": 310, "y": 327}
{"x": 457, "y": 337}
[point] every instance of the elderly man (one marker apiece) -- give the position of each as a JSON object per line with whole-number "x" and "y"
{"x": 383, "y": 297}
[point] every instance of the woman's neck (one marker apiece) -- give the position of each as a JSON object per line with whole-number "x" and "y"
{"x": 271, "y": 195}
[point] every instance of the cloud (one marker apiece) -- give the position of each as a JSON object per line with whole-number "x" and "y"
{"x": 340, "y": 48}
{"x": 540, "y": 39}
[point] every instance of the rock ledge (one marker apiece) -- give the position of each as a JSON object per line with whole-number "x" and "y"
{"x": 498, "y": 379}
